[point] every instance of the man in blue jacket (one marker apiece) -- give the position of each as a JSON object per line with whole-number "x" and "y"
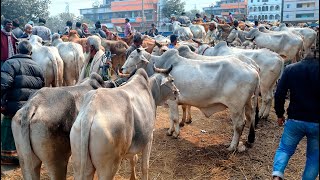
{"x": 20, "y": 78}
{"x": 302, "y": 80}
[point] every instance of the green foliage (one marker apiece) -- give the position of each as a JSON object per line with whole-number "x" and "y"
{"x": 192, "y": 13}
{"x": 58, "y": 22}
{"x": 25, "y": 10}
{"x": 170, "y": 7}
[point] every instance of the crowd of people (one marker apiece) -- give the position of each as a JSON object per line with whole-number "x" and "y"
{"x": 21, "y": 77}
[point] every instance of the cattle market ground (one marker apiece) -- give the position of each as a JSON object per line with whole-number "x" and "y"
{"x": 200, "y": 152}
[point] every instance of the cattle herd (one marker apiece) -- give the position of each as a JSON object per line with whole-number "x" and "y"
{"x": 100, "y": 124}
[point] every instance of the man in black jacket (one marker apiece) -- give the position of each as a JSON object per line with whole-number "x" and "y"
{"x": 20, "y": 78}
{"x": 302, "y": 80}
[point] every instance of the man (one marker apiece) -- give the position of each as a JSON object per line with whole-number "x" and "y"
{"x": 212, "y": 32}
{"x": 235, "y": 25}
{"x": 198, "y": 18}
{"x": 68, "y": 28}
{"x": 78, "y": 29}
{"x": 8, "y": 41}
{"x": 109, "y": 34}
{"x": 137, "y": 42}
{"x": 98, "y": 30}
{"x": 94, "y": 59}
{"x": 42, "y": 31}
{"x": 17, "y": 32}
{"x": 20, "y": 78}
{"x": 230, "y": 19}
{"x": 173, "y": 41}
{"x": 153, "y": 31}
{"x": 302, "y": 80}
{"x": 127, "y": 28}
{"x": 256, "y": 24}
{"x": 27, "y": 31}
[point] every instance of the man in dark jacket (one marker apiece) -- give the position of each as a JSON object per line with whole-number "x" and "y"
{"x": 302, "y": 80}
{"x": 20, "y": 78}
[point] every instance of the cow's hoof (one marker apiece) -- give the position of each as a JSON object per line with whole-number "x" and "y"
{"x": 231, "y": 149}
{"x": 169, "y": 133}
{"x": 241, "y": 147}
{"x": 175, "y": 135}
{"x": 189, "y": 122}
{"x": 181, "y": 124}
{"x": 248, "y": 145}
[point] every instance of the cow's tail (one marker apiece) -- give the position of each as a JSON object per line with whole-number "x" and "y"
{"x": 255, "y": 120}
{"x": 85, "y": 128}
{"x": 55, "y": 69}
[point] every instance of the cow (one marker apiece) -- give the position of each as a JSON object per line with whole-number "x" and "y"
{"x": 49, "y": 60}
{"x": 73, "y": 58}
{"x": 183, "y": 33}
{"x": 309, "y": 35}
{"x": 118, "y": 123}
{"x": 198, "y": 31}
{"x": 74, "y": 37}
{"x": 118, "y": 48}
{"x": 42, "y": 126}
{"x": 226, "y": 82}
{"x": 287, "y": 45}
{"x": 270, "y": 64}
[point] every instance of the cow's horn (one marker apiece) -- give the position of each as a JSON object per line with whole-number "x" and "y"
{"x": 159, "y": 70}
{"x": 196, "y": 41}
{"x": 158, "y": 44}
{"x": 122, "y": 75}
{"x": 250, "y": 39}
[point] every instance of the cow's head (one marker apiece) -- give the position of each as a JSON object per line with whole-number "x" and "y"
{"x": 137, "y": 59}
{"x": 165, "y": 83}
{"x": 232, "y": 36}
{"x": 252, "y": 34}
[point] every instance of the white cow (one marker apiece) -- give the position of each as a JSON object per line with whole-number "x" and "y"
{"x": 309, "y": 35}
{"x": 270, "y": 64}
{"x": 73, "y": 59}
{"x": 183, "y": 33}
{"x": 286, "y": 44}
{"x": 49, "y": 60}
{"x": 224, "y": 83}
{"x": 118, "y": 123}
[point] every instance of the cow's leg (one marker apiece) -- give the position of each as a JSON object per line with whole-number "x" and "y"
{"x": 133, "y": 162}
{"x": 268, "y": 103}
{"x": 174, "y": 119}
{"x": 189, "y": 118}
{"x": 238, "y": 125}
{"x": 145, "y": 159}
{"x": 250, "y": 115}
{"x": 263, "y": 102}
{"x": 30, "y": 164}
{"x": 54, "y": 151}
{"x": 184, "y": 116}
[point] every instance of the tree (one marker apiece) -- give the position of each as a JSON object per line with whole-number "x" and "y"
{"x": 25, "y": 10}
{"x": 172, "y": 7}
{"x": 192, "y": 13}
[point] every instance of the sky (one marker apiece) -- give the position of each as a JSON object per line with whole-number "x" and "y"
{"x": 58, "y": 6}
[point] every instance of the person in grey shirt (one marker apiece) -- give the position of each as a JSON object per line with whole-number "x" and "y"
{"x": 17, "y": 32}
{"x": 42, "y": 31}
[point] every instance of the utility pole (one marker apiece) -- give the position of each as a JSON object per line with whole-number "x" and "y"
{"x": 143, "y": 25}
{"x": 67, "y": 8}
{"x": 238, "y": 9}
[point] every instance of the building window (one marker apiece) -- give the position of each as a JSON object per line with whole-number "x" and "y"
{"x": 264, "y": 0}
{"x": 277, "y": 17}
{"x": 263, "y": 8}
{"x": 250, "y": 9}
{"x": 299, "y": 5}
{"x": 271, "y": 8}
{"x": 271, "y": 17}
{"x": 251, "y": 1}
{"x": 306, "y": 15}
{"x": 259, "y": 8}
{"x": 277, "y": 8}
{"x": 266, "y": 8}
{"x": 265, "y": 17}
{"x": 287, "y": 16}
{"x": 254, "y": 9}
{"x": 288, "y": 5}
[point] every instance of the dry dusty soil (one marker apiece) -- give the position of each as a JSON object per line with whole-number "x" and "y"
{"x": 198, "y": 154}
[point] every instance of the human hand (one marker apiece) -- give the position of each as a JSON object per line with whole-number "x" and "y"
{"x": 281, "y": 121}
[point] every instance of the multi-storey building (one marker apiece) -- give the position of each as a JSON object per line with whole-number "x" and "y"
{"x": 114, "y": 12}
{"x": 238, "y": 8}
{"x": 268, "y": 10}
{"x": 300, "y": 10}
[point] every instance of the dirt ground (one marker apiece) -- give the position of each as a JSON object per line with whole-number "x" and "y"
{"x": 198, "y": 154}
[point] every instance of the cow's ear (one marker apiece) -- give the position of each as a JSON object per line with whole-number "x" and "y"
{"x": 163, "y": 81}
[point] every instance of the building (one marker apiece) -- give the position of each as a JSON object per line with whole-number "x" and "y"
{"x": 223, "y": 7}
{"x": 268, "y": 10}
{"x": 114, "y": 12}
{"x": 300, "y": 11}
